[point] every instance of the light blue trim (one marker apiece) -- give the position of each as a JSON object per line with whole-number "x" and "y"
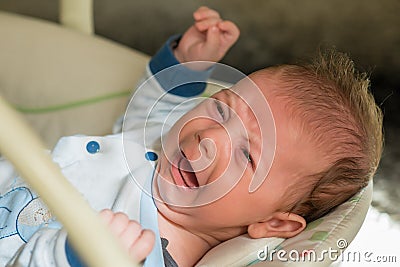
{"x": 149, "y": 220}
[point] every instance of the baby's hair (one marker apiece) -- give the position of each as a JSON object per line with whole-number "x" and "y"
{"x": 338, "y": 114}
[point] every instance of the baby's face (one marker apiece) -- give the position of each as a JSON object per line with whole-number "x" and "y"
{"x": 227, "y": 163}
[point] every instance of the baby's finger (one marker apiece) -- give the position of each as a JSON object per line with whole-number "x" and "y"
{"x": 118, "y": 223}
{"x": 204, "y": 13}
{"x": 131, "y": 233}
{"x": 209, "y": 48}
{"x": 230, "y": 31}
{"x": 106, "y": 215}
{"x": 204, "y": 25}
{"x": 143, "y": 245}
{"x": 213, "y": 39}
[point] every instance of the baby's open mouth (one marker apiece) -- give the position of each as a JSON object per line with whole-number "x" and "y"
{"x": 187, "y": 173}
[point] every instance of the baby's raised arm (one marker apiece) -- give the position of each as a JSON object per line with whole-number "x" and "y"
{"x": 208, "y": 39}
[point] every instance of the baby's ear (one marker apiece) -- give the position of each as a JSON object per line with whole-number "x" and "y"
{"x": 280, "y": 224}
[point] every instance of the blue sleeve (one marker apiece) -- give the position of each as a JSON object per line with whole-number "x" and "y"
{"x": 73, "y": 258}
{"x": 179, "y": 80}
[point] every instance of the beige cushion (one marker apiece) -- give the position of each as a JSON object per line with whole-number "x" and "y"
{"x": 46, "y": 69}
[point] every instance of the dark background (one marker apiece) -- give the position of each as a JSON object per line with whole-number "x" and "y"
{"x": 274, "y": 32}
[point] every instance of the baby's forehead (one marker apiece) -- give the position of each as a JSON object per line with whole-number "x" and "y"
{"x": 254, "y": 90}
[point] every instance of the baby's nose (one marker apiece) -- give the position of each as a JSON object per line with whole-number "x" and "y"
{"x": 207, "y": 148}
{"x": 214, "y": 142}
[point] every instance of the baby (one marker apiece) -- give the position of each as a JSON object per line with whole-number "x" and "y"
{"x": 278, "y": 149}
{"x": 324, "y": 135}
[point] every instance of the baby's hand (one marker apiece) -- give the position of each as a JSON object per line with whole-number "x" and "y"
{"x": 137, "y": 241}
{"x": 208, "y": 39}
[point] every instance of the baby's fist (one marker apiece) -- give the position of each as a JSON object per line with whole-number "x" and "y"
{"x": 138, "y": 242}
{"x": 208, "y": 39}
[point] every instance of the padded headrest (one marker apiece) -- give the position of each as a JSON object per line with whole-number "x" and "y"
{"x": 334, "y": 231}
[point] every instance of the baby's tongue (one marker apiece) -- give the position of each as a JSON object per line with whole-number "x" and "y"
{"x": 187, "y": 173}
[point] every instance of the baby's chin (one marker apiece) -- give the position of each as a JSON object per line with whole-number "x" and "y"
{"x": 176, "y": 196}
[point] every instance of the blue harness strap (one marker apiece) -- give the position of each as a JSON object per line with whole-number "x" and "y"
{"x": 149, "y": 220}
